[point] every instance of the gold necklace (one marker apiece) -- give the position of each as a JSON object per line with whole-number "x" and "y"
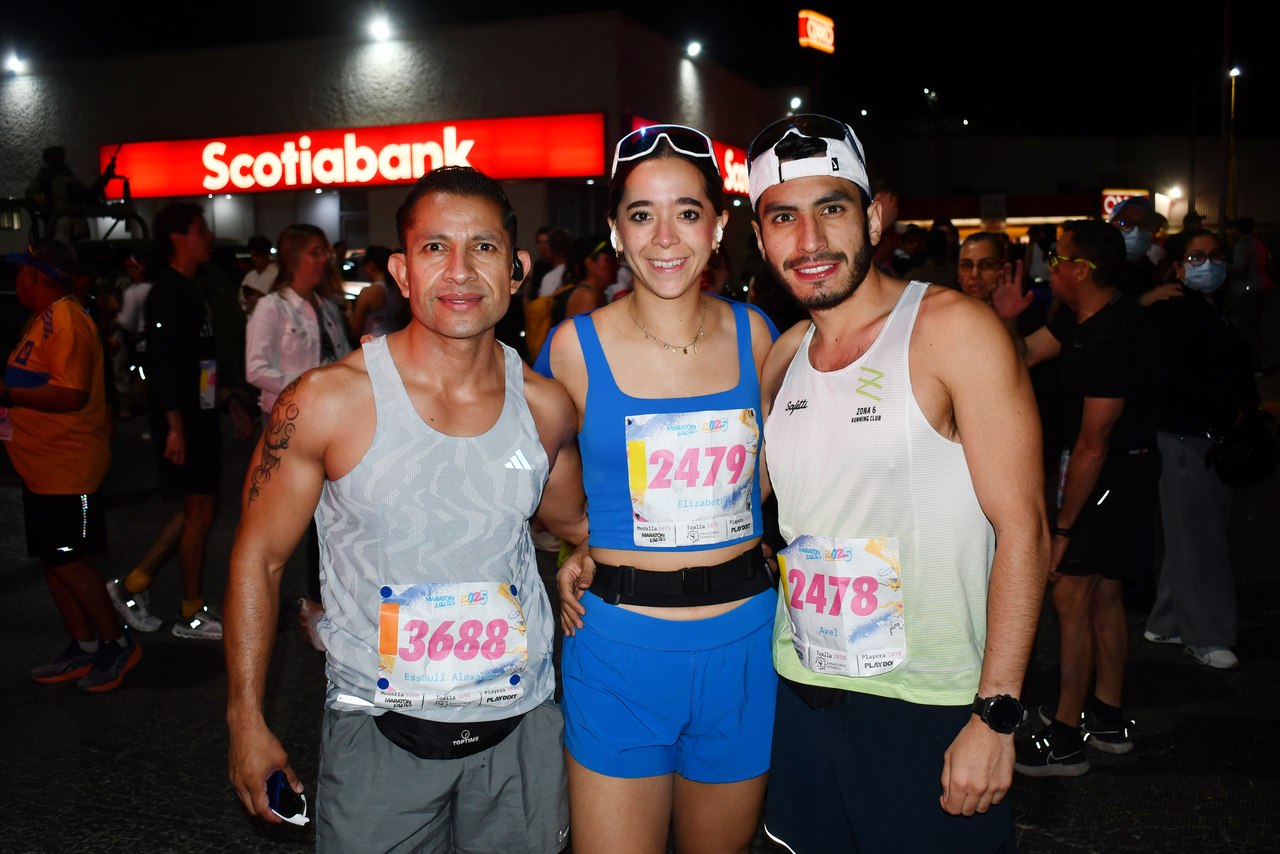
{"x": 665, "y": 345}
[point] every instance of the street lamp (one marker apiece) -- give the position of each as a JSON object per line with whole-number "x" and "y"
{"x": 380, "y": 29}
{"x": 17, "y": 66}
{"x": 1231, "y": 189}
{"x": 795, "y": 103}
{"x": 694, "y": 48}
{"x": 1175, "y": 192}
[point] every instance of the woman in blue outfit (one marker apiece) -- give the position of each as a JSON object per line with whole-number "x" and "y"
{"x": 668, "y": 680}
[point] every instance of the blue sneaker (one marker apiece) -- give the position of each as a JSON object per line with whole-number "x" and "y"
{"x": 112, "y": 663}
{"x": 72, "y": 664}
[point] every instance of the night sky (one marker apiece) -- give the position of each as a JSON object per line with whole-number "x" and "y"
{"x": 1008, "y": 68}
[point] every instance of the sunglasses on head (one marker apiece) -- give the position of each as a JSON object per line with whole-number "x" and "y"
{"x": 805, "y": 125}
{"x": 641, "y": 143}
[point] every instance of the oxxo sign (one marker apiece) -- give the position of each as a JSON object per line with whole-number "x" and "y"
{"x": 1112, "y": 198}
{"x": 732, "y": 162}
{"x": 817, "y": 31}
{"x": 535, "y": 147}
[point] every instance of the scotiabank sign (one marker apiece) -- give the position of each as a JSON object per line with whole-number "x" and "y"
{"x": 532, "y": 147}
{"x": 732, "y": 160}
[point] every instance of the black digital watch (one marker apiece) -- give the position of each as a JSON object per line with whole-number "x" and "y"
{"x": 1002, "y": 713}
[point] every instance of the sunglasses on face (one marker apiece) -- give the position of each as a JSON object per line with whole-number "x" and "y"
{"x": 1196, "y": 258}
{"x": 984, "y": 265}
{"x": 1055, "y": 260}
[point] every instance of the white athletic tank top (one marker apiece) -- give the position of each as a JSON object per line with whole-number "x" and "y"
{"x": 851, "y": 455}
{"x": 422, "y": 507}
{"x": 385, "y": 320}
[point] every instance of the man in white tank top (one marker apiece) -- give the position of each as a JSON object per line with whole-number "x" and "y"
{"x": 903, "y": 444}
{"x": 427, "y": 451}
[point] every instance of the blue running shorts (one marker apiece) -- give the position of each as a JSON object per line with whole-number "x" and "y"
{"x": 645, "y": 696}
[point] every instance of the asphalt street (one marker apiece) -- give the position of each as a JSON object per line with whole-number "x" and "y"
{"x": 143, "y": 769}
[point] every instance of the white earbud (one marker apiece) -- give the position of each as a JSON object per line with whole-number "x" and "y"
{"x": 613, "y": 238}
{"x": 719, "y": 234}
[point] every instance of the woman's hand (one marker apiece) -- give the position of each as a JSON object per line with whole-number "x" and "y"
{"x": 572, "y": 581}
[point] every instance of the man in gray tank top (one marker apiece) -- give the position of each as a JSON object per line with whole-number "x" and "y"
{"x": 903, "y": 444}
{"x": 423, "y": 456}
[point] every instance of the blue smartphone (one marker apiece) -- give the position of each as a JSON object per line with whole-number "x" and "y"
{"x": 284, "y": 801}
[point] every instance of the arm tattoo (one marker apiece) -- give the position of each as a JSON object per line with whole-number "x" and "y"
{"x": 275, "y": 439}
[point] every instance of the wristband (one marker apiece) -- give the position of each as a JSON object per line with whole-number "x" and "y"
{"x": 1060, "y": 532}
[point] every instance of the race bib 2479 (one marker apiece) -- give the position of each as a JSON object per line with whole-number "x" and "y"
{"x": 691, "y": 476}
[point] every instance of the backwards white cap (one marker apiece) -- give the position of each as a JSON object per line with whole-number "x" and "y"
{"x": 843, "y": 158}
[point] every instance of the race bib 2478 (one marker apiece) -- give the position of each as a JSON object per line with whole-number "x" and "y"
{"x": 691, "y": 476}
{"x": 844, "y": 597}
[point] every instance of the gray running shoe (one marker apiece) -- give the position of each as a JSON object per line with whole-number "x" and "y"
{"x": 133, "y": 608}
{"x": 73, "y": 663}
{"x": 205, "y": 624}
{"x": 111, "y": 664}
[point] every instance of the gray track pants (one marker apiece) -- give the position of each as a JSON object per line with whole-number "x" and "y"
{"x": 1196, "y": 596}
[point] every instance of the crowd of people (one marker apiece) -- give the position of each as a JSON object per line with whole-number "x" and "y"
{"x": 804, "y": 535}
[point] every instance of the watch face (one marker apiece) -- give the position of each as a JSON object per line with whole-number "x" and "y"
{"x": 1004, "y": 714}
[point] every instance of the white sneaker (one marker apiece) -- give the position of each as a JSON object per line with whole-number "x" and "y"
{"x": 1214, "y": 656}
{"x": 205, "y": 624}
{"x": 309, "y": 623}
{"x": 133, "y": 608}
{"x": 1155, "y": 638}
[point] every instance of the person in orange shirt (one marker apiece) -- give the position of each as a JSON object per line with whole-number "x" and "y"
{"x": 53, "y": 398}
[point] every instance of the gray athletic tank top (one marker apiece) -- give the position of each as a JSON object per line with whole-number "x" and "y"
{"x": 422, "y": 507}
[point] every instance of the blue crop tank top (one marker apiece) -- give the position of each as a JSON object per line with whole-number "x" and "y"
{"x": 676, "y": 474}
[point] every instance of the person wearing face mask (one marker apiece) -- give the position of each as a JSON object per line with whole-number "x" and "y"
{"x": 669, "y": 686}
{"x": 1206, "y": 387}
{"x": 292, "y": 330}
{"x": 1135, "y": 220}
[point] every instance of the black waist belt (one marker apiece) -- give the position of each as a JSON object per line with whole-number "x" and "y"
{"x": 740, "y": 578}
{"x": 438, "y": 740}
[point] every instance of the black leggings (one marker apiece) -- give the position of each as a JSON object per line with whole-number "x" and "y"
{"x": 313, "y": 563}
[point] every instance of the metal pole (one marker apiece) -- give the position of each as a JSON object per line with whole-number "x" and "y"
{"x": 1233, "y": 201}
{"x": 1191, "y": 178}
{"x": 1226, "y": 118}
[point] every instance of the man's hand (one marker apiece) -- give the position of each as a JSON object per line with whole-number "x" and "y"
{"x": 977, "y": 769}
{"x": 572, "y": 580}
{"x": 175, "y": 446}
{"x": 255, "y": 755}
{"x": 243, "y": 423}
{"x": 1007, "y": 297}
{"x": 1057, "y": 548}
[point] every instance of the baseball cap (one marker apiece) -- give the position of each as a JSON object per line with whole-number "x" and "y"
{"x": 1141, "y": 201}
{"x": 841, "y": 156}
{"x": 49, "y": 257}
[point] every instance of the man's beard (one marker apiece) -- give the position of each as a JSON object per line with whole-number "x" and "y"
{"x": 816, "y": 299}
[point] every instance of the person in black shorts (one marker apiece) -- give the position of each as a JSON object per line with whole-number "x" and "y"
{"x": 1110, "y": 468}
{"x": 53, "y": 418}
{"x": 183, "y": 398}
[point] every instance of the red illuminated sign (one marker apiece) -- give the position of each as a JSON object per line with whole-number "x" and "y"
{"x": 533, "y": 147}
{"x": 1111, "y": 199}
{"x": 732, "y": 160}
{"x": 817, "y": 31}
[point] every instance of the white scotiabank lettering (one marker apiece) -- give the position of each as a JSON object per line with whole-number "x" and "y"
{"x": 353, "y": 163}
{"x": 735, "y": 174}
{"x": 220, "y": 173}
